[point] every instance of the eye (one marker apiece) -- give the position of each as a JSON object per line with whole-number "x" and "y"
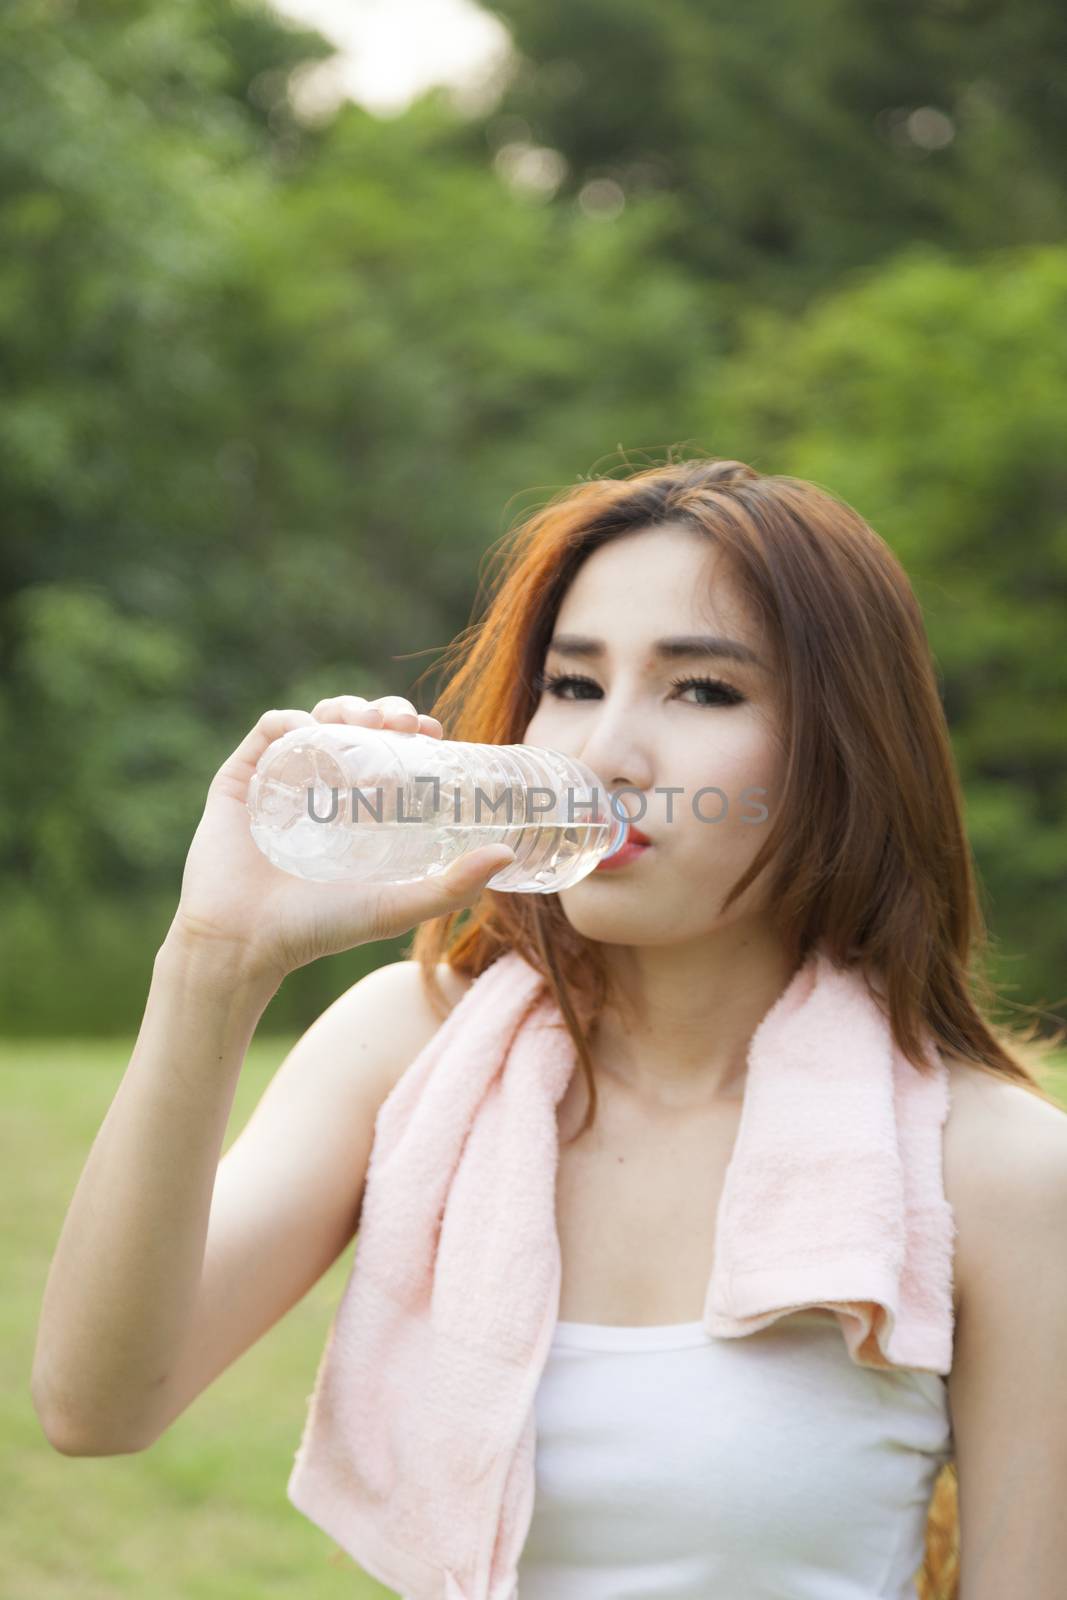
{"x": 556, "y": 684}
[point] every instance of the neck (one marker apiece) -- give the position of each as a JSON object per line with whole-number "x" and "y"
{"x": 677, "y": 1036}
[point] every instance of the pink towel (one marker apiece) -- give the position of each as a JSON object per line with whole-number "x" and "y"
{"x": 418, "y": 1450}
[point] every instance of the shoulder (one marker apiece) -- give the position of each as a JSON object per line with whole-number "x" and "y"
{"x": 405, "y": 978}
{"x": 399, "y": 994}
{"x": 1005, "y": 1153}
{"x": 1006, "y": 1177}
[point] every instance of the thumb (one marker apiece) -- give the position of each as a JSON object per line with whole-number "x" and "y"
{"x": 401, "y": 906}
{"x": 466, "y": 877}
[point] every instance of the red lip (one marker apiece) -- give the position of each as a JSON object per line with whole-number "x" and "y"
{"x": 635, "y": 836}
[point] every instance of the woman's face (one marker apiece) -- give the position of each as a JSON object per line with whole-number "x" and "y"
{"x": 634, "y": 720}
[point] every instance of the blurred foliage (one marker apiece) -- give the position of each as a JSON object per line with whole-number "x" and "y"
{"x": 804, "y": 141}
{"x": 273, "y": 382}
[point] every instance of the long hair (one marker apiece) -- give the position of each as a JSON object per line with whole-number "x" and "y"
{"x": 867, "y": 851}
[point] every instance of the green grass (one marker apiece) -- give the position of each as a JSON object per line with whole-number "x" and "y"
{"x": 203, "y": 1515}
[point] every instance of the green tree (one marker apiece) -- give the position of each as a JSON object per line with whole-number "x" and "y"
{"x": 803, "y": 141}
{"x": 270, "y": 390}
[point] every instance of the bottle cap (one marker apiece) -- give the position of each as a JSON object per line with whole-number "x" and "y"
{"x": 621, "y": 826}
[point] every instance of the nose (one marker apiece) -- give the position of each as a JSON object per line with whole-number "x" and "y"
{"x": 615, "y": 753}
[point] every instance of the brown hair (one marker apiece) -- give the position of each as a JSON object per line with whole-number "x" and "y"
{"x": 867, "y": 851}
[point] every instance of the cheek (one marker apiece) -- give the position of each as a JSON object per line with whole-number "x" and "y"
{"x": 539, "y": 721}
{"x": 549, "y": 730}
{"x": 744, "y": 760}
{"x": 742, "y": 755}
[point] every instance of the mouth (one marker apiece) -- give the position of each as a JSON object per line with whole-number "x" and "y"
{"x": 635, "y": 845}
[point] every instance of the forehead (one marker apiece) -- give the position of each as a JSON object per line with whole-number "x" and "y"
{"x": 656, "y": 581}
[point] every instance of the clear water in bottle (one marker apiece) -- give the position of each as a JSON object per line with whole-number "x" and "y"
{"x": 341, "y": 801}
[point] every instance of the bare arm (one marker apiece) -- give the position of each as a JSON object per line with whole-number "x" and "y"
{"x": 169, "y": 1262}
{"x": 289, "y": 1190}
{"x": 123, "y": 1279}
{"x": 285, "y": 1202}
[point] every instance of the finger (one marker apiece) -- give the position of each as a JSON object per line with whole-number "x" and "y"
{"x": 241, "y": 763}
{"x": 397, "y": 710}
{"x": 470, "y": 872}
{"x": 348, "y": 708}
{"x": 405, "y": 904}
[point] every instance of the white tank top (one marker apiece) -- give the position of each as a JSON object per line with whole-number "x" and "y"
{"x": 671, "y": 1465}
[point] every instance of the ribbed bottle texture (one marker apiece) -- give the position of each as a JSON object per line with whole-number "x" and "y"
{"x": 341, "y": 801}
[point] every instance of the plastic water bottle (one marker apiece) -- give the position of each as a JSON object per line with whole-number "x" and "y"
{"x": 339, "y": 800}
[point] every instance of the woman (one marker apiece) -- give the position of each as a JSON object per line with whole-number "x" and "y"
{"x": 813, "y": 729}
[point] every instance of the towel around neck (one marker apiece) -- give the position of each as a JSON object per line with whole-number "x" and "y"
{"x": 417, "y": 1455}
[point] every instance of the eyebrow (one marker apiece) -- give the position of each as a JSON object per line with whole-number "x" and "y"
{"x": 686, "y": 646}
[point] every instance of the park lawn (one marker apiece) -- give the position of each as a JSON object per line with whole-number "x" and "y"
{"x": 203, "y": 1515}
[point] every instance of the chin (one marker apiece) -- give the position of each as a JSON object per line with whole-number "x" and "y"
{"x": 614, "y": 925}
